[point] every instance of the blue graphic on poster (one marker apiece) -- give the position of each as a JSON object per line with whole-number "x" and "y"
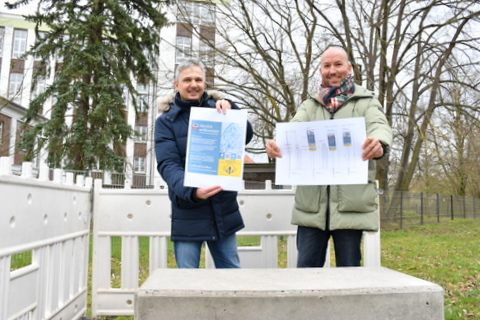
{"x": 204, "y": 147}
{"x": 231, "y": 150}
{"x": 312, "y": 146}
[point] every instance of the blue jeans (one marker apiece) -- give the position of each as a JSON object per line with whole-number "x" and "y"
{"x": 224, "y": 253}
{"x": 312, "y": 246}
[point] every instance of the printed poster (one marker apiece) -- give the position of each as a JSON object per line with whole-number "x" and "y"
{"x": 325, "y": 152}
{"x": 215, "y": 148}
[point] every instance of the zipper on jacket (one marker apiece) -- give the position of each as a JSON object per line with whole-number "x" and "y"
{"x": 327, "y": 222}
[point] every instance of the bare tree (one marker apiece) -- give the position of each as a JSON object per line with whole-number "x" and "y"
{"x": 410, "y": 50}
{"x": 455, "y": 143}
{"x": 266, "y": 55}
{"x": 411, "y": 53}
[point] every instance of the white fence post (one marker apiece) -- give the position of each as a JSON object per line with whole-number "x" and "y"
{"x": 5, "y": 166}
{"x": 57, "y": 175}
{"x": 44, "y": 172}
{"x": 27, "y": 170}
{"x": 49, "y": 222}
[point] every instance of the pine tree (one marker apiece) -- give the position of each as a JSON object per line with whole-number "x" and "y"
{"x": 103, "y": 45}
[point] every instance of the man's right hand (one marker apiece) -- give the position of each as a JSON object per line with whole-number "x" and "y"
{"x": 207, "y": 192}
{"x": 273, "y": 151}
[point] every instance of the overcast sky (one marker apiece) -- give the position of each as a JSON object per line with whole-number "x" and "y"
{"x": 29, "y": 8}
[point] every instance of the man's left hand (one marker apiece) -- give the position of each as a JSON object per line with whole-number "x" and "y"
{"x": 372, "y": 148}
{"x": 223, "y": 105}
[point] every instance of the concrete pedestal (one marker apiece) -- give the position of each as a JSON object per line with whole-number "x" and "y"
{"x": 287, "y": 294}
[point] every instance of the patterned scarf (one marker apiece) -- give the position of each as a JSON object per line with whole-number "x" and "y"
{"x": 334, "y": 97}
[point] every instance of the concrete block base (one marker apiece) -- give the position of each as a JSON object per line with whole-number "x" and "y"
{"x": 287, "y": 294}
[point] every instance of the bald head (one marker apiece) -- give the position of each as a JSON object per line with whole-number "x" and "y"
{"x": 338, "y": 51}
{"x": 334, "y": 66}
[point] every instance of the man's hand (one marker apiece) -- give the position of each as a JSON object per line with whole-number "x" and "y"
{"x": 273, "y": 151}
{"x": 223, "y": 105}
{"x": 372, "y": 148}
{"x": 207, "y": 192}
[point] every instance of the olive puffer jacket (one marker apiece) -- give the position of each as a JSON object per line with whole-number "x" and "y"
{"x": 192, "y": 219}
{"x": 347, "y": 206}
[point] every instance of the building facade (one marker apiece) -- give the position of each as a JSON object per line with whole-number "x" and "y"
{"x": 193, "y": 24}
{"x": 16, "y": 36}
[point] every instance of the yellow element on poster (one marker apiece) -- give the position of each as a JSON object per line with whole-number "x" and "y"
{"x": 229, "y": 168}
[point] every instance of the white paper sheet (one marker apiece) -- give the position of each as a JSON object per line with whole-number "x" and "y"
{"x": 321, "y": 152}
{"x": 215, "y": 148}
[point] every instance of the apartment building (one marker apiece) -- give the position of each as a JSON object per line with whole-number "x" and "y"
{"x": 16, "y": 36}
{"x": 178, "y": 42}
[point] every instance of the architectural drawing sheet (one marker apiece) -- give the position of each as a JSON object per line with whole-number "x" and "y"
{"x": 321, "y": 152}
{"x": 215, "y": 148}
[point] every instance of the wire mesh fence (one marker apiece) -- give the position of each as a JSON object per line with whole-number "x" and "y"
{"x": 403, "y": 209}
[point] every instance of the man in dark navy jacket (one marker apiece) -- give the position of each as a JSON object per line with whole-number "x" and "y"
{"x": 199, "y": 215}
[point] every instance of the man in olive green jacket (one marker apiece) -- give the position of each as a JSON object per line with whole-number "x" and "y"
{"x": 342, "y": 212}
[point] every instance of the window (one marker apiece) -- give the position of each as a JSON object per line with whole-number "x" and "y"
{"x": 140, "y": 133}
{"x": 41, "y": 35}
{"x": 65, "y": 39}
{"x": 197, "y": 13}
{"x": 39, "y": 87}
{"x": 186, "y": 11}
{"x": 1, "y": 132}
{"x": 2, "y": 36}
{"x": 15, "y": 86}
{"x": 139, "y": 164}
{"x": 207, "y": 54}
{"x": 142, "y": 98}
{"x": 207, "y": 14}
{"x": 184, "y": 49}
{"x": 19, "y": 43}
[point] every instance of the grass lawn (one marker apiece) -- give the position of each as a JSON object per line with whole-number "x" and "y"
{"x": 447, "y": 254}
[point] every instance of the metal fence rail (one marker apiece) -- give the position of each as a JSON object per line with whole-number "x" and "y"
{"x": 403, "y": 209}
{"x": 45, "y": 228}
{"x": 46, "y": 223}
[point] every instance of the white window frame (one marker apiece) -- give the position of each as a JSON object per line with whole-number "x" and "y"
{"x": 207, "y": 14}
{"x": 41, "y": 35}
{"x": 141, "y": 134}
{"x": 139, "y": 164}
{"x": 2, "y": 37}
{"x": 15, "y": 86}
{"x": 187, "y": 11}
{"x": 142, "y": 98}
{"x": 1, "y": 132}
{"x": 183, "y": 49}
{"x": 40, "y": 87}
{"x": 65, "y": 38}
{"x": 207, "y": 54}
{"x": 19, "y": 43}
{"x": 197, "y": 13}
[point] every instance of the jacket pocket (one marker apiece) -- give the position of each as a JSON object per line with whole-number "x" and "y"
{"x": 185, "y": 204}
{"x": 357, "y": 198}
{"x": 307, "y": 198}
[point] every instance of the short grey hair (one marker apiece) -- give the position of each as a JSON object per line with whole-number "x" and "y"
{"x": 189, "y": 63}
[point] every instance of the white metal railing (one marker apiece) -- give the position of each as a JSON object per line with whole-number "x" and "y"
{"x": 134, "y": 213}
{"x": 49, "y": 221}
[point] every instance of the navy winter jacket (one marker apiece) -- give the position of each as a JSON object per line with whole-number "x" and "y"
{"x": 192, "y": 219}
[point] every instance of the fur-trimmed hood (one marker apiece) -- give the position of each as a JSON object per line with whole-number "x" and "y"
{"x": 165, "y": 102}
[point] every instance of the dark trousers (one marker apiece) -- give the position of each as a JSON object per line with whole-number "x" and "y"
{"x": 312, "y": 246}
